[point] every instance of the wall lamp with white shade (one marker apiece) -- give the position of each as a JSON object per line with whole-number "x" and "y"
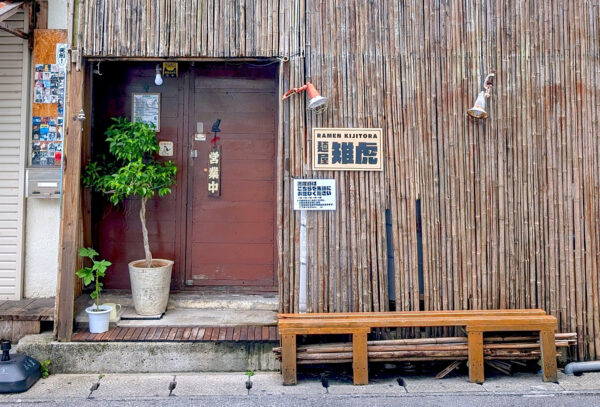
{"x": 478, "y": 110}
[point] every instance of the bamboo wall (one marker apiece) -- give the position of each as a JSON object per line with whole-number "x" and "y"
{"x": 509, "y": 206}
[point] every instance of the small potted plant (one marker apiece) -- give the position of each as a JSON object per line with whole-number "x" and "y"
{"x": 134, "y": 172}
{"x": 98, "y": 315}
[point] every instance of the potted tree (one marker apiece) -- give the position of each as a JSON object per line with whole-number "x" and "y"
{"x": 134, "y": 172}
{"x": 98, "y": 315}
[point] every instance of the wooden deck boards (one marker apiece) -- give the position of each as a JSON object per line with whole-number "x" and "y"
{"x": 181, "y": 334}
{"x": 36, "y": 309}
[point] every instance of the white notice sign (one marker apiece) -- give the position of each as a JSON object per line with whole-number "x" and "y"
{"x": 314, "y": 195}
{"x": 146, "y": 108}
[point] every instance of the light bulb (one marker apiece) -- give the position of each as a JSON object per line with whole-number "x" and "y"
{"x": 158, "y": 80}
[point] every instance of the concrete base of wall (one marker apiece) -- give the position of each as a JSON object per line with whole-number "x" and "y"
{"x": 150, "y": 357}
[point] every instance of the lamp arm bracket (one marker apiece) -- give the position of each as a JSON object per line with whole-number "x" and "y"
{"x": 294, "y": 90}
{"x": 488, "y": 81}
{"x": 487, "y": 84}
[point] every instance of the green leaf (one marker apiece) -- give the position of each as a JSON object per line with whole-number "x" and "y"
{"x": 88, "y": 252}
{"x": 86, "y": 274}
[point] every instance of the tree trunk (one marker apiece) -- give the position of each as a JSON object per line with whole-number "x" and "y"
{"x": 145, "y": 233}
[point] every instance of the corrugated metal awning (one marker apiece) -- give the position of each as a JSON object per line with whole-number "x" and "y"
{"x": 7, "y": 9}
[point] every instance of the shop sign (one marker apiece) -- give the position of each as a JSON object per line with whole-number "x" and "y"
{"x": 314, "y": 195}
{"x": 214, "y": 171}
{"x": 347, "y": 149}
{"x": 170, "y": 69}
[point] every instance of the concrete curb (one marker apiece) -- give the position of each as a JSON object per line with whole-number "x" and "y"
{"x": 150, "y": 357}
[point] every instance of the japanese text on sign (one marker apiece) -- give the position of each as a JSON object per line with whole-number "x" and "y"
{"x": 347, "y": 149}
{"x": 214, "y": 171}
{"x": 314, "y": 195}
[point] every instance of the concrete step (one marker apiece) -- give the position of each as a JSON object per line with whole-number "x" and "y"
{"x": 195, "y": 310}
{"x": 237, "y": 302}
{"x": 149, "y": 357}
{"x": 190, "y": 317}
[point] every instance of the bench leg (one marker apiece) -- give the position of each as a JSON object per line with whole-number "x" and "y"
{"x": 548, "y": 348}
{"x": 476, "y": 357}
{"x": 360, "y": 359}
{"x": 288, "y": 359}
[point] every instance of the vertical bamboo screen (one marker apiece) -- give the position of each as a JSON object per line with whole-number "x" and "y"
{"x": 509, "y": 205}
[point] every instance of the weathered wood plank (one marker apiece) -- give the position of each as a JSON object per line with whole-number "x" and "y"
{"x": 71, "y": 207}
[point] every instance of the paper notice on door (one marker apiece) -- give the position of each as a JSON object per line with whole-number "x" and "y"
{"x": 146, "y": 108}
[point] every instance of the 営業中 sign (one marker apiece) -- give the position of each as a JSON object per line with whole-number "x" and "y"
{"x": 347, "y": 149}
{"x": 314, "y": 195}
{"x": 214, "y": 171}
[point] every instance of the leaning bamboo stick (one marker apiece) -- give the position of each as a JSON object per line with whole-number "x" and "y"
{"x": 562, "y": 339}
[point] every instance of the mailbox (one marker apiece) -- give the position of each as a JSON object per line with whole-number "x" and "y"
{"x": 42, "y": 182}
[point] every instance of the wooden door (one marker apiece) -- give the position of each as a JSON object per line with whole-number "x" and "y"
{"x": 230, "y": 238}
{"x": 117, "y": 229}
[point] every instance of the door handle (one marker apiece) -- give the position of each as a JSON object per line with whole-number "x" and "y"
{"x": 194, "y": 153}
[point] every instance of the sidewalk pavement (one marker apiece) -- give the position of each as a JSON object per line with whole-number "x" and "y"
{"x": 73, "y": 387}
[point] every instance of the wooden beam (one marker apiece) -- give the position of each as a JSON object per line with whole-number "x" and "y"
{"x": 288, "y": 359}
{"x": 475, "y": 340}
{"x": 548, "y": 348}
{"x": 447, "y": 370}
{"x": 12, "y": 31}
{"x": 70, "y": 227}
{"x": 360, "y": 360}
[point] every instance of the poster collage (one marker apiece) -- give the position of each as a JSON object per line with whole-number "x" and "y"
{"x": 47, "y": 132}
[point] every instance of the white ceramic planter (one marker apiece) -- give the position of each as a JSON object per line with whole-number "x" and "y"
{"x": 98, "y": 320}
{"x": 150, "y": 286}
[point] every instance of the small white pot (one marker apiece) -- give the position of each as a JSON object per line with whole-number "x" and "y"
{"x": 98, "y": 320}
{"x": 150, "y": 286}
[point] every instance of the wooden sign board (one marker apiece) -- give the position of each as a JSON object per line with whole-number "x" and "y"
{"x": 214, "y": 172}
{"x": 347, "y": 149}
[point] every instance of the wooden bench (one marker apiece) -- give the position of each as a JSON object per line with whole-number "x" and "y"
{"x": 359, "y": 324}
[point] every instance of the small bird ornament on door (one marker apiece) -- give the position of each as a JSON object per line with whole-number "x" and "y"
{"x": 214, "y": 163}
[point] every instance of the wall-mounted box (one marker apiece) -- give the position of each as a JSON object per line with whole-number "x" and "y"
{"x": 42, "y": 182}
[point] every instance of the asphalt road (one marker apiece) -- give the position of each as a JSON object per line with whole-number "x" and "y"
{"x": 529, "y": 400}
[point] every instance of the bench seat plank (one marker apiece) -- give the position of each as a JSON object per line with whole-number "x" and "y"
{"x": 340, "y": 315}
{"x": 523, "y": 323}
